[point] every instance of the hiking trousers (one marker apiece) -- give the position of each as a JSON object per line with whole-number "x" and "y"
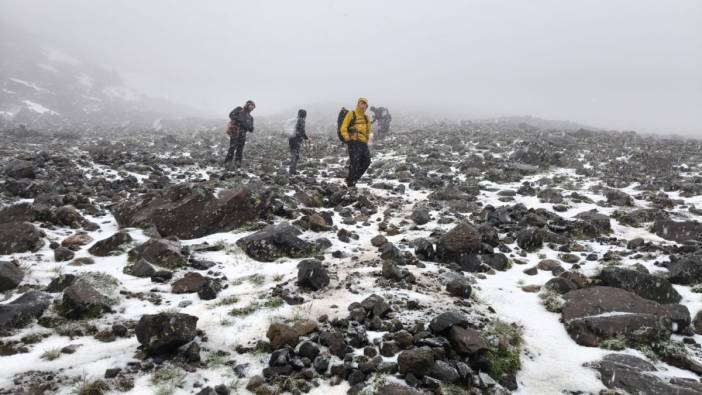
{"x": 236, "y": 148}
{"x": 295, "y": 145}
{"x": 359, "y": 160}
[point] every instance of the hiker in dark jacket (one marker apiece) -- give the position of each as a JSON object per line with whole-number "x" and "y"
{"x": 295, "y": 141}
{"x": 241, "y": 123}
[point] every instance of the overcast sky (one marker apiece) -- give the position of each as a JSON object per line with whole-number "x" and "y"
{"x": 609, "y": 63}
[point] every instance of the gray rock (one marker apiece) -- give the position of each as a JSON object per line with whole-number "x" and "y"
{"x": 18, "y": 237}
{"x": 462, "y": 240}
{"x": 312, "y": 274}
{"x": 443, "y": 322}
{"x": 418, "y": 361}
{"x": 162, "y": 252}
{"x": 165, "y": 332}
{"x": 10, "y": 276}
{"x": 22, "y": 310}
{"x": 276, "y": 241}
{"x": 645, "y": 285}
{"x": 637, "y": 376}
{"x": 109, "y": 245}
{"x": 678, "y": 231}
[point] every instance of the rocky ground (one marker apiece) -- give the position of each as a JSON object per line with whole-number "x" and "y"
{"x": 473, "y": 260}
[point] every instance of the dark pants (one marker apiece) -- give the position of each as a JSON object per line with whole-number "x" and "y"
{"x": 295, "y": 145}
{"x": 236, "y": 148}
{"x": 359, "y": 160}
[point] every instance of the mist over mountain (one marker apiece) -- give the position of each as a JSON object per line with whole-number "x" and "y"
{"x": 42, "y": 85}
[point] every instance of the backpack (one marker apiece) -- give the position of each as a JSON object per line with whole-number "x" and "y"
{"x": 339, "y": 121}
{"x": 232, "y": 126}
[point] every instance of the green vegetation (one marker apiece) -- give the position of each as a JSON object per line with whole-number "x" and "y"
{"x": 88, "y": 386}
{"x": 504, "y": 359}
{"x": 616, "y": 343}
{"x": 51, "y": 354}
{"x": 551, "y": 300}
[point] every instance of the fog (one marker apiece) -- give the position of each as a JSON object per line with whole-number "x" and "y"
{"x": 628, "y": 65}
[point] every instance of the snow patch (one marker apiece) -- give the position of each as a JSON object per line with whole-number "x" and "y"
{"x": 28, "y": 84}
{"x": 121, "y": 92}
{"x": 61, "y": 57}
{"x": 36, "y": 107}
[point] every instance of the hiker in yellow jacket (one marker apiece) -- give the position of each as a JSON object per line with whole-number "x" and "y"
{"x": 356, "y": 132}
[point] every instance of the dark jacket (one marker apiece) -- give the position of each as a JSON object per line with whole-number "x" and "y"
{"x": 243, "y": 119}
{"x": 300, "y": 133}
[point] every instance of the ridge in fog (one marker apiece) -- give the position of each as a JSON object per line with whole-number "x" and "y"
{"x": 629, "y": 65}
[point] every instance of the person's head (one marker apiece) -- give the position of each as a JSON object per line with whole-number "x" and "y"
{"x": 301, "y": 113}
{"x": 372, "y": 108}
{"x": 362, "y": 104}
{"x": 249, "y": 106}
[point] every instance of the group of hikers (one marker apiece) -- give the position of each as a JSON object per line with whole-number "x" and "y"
{"x": 353, "y": 128}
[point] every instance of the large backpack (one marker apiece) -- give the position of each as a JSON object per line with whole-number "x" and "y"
{"x": 339, "y": 121}
{"x": 233, "y": 127}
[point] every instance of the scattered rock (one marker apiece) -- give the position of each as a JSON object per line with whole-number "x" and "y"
{"x": 312, "y": 274}
{"x": 165, "y": 332}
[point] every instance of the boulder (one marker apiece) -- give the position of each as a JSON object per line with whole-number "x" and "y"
{"x": 459, "y": 286}
{"x": 162, "y": 252}
{"x": 598, "y": 220}
{"x": 618, "y": 198}
{"x": 10, "y": 276}
{"x": 463, "y": 240}
{"x": 21, "y": 212}
{"x": 22, "y": 310}
{"x": 418, "y": 361}
{"x": 376, "y": 305}
{"x": 466, "y": 341}
{"x": 530, "y": 239}
{"x": 68, "y": 216}
{"x": 107, "y": 246}
{"x": 82, "y": 300}
{"x": 645, "y": 285}
{"x": 445, "y": 321}
{"x": 420, "y": 216}
{"x": 62, "y": 254}
{"x": 18, "y": 168}
{"x": 685, "y": 270}
{"x": 190, "y": 211}
{"x": 318, "y": 223}
{"x": 637, "y": 376}
{"x": 76, "y": 240}
{"x": 165, "y": 332}
{"x": 592, "y": 315}
{"x": 18, "y": 237}
{"x": 312, "y": 274}
{"x": 190, "y": 283}
{"x": 679, "y": 231}
{"x": 141, "y": 268}
{"x": 276, "y": 241}
{"x": 280, "y": 335}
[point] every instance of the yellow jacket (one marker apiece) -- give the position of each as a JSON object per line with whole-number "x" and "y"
{"x": 361, "y": 128}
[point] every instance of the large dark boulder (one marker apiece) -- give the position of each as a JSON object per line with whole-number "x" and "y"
{"x": 22, "y": 310}
{"x": 530, "y": 239}
{"x": 311, "y": 274}
{"x": 109, "y": 245}
{"x": 276, "y": 241}
{"x": 18, "y": 168}
{"x": 618, "y": 198}
{"x": 445, "y": 321}
{"x": 592, "y": 315}
{"x": 598, "y": 220}
{"x": 680, "y": 231}
{"x": 637, "y": 376}
{"x": 461, "y": 241}
{"x": 82, "y": 300}
{"x": 191, "y": 211}
{"x": 418, "y": 361}
{"x": 467, "y": 341}
{"x": 645, "y": 285}
{"x": 162, "y": 252}
{"x": 10, "y": 276}
{"x": 17, "y": 237}
{"x": 21, "y": 212}
{"x": 165, "y": 332}
{"x": 685, "y": 270}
